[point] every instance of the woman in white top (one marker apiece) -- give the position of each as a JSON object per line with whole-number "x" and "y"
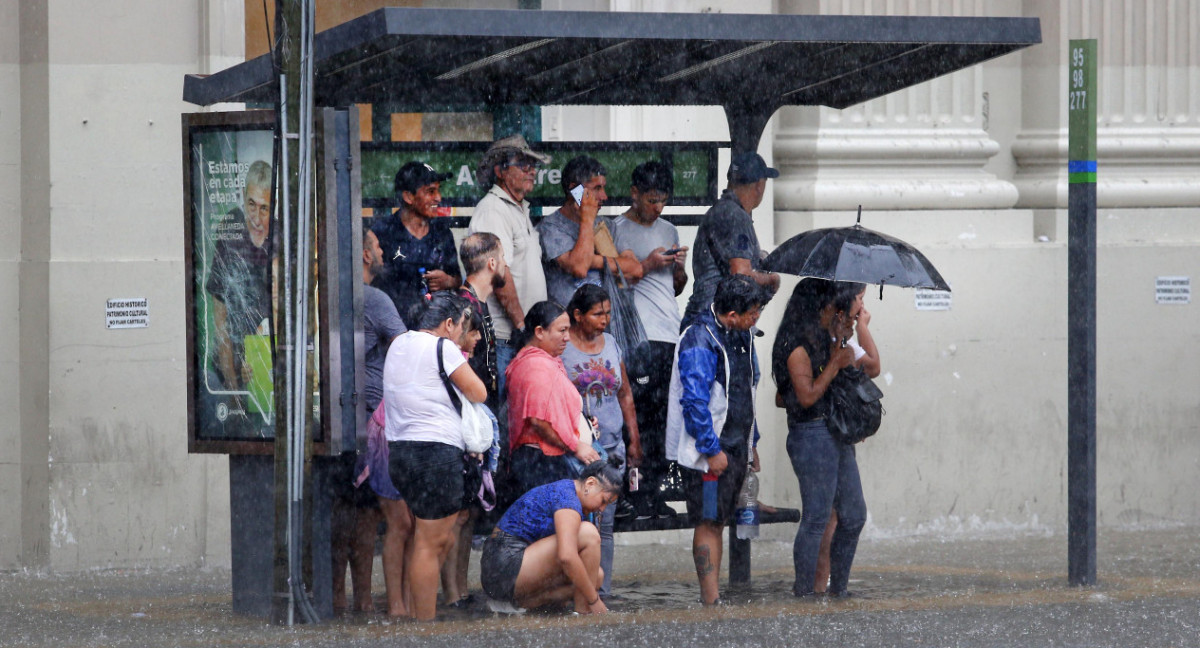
{"x": 425, "y": 442}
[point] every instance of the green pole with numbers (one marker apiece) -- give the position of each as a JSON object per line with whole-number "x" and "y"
{"x": 1081, "y": 313}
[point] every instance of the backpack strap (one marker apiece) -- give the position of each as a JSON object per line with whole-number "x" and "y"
{"x": 454, "y": 399}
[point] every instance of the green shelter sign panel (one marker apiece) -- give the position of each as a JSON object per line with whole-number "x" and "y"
{"x": 694, "y": 165}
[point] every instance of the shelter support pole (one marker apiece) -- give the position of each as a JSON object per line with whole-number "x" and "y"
{"x": 739, "y": 558}
{"x": 747, "y": 121}
{"x": 287, "y": 56}
{"x": 1081, "y": 316}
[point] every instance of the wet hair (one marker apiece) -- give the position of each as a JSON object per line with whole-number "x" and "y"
{"x": 439, "y": 307}
{"x": 737, "y": 293}
{"x": 476, "y": 249}
{"x": 579, "y": 170}
{"x": 801, "y": 323}
{"x": 540, "y": 314}
{"x": 605, "y": 472}
{"x": 587, "y": 296}
{"x": 844, "y": 294}
{"x": 366, "y": 227}
{"x": 653, "y": 176}
{"x": 259, "y": 175}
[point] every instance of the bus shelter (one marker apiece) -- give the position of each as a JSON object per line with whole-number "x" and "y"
{"x": 509, "y": 63}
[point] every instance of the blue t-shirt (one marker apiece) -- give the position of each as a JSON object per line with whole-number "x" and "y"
{"x": 531, "y": 517}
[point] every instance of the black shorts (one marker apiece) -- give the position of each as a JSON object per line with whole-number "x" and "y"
{"x": 729, "y": 484}
{"x": 429, "y": 475}
{"x": 501, "y": 564}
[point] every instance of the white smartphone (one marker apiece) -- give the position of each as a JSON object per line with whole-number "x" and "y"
{"x": 634, "y": 478}
{"x": 577, "y": 192}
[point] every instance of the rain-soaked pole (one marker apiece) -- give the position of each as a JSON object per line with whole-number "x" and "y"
{"x": 1081, "y": 315}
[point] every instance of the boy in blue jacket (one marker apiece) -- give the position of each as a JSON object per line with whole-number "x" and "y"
{"x": 710, "y": 417}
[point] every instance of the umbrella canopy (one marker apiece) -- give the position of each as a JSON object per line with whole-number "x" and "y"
{"x": 855, "y": 254}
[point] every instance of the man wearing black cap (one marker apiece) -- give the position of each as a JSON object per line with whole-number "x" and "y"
{"x": 418, "y": 249}
{"x": 725, "y": 242}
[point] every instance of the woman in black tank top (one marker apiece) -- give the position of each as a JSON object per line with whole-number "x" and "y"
{"x": 809, "y": 352}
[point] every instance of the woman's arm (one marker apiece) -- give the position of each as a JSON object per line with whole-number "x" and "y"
{"x": 629, "y": 414}
{"x": 870, "y": 362}
{"x": 809, "y": 390}
{"x": 566, "y": 531}
{"x": 546, "y": 433}
{"x": 468, "y": 383}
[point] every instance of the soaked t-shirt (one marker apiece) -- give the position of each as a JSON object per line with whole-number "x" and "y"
{"x": 559, "y": 234}
{"x": 725, "y": 233}
{"x": 381, "y": 323}
{"x": 405, "y": 255}
{"x": 597, "y": 377}
{"x": 531, "y": 517}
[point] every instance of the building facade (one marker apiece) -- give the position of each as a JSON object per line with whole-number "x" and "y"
{"x": 970, "y": 168}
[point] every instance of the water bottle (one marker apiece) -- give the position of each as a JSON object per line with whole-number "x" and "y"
{"x": 747, "y": 508}
{"x": 424, "y": 284}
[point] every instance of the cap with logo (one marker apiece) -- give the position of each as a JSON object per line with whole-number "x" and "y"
{"x": 414, "y": 175}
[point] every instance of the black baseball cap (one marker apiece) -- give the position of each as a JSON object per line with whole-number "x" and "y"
{"x": 414, "y": 175}
{"x": 749, "y": 167}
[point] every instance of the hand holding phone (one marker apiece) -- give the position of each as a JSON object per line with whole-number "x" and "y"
{"x": 577, "y": 194}
{"x": 672, "y": 251}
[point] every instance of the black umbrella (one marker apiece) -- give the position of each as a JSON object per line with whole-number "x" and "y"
{"x": 855, "y": 254}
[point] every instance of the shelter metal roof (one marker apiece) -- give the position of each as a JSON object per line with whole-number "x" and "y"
{"x": 426, "y": 57}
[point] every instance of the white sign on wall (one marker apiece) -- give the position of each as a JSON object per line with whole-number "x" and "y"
{"x": 1172, "y": 290}
{"x": 127, "y": 313}
{"x": 932, "y": 300}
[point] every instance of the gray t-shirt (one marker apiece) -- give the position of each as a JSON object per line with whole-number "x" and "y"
{"x": 654, "y": 295}
{"x": 725, "y": 233}
{"x": 598, "y": 378}
{"x": 381, "y": 323}
{"x": 558, "y": 234}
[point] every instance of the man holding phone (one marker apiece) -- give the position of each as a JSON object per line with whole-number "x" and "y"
{"x": 569, "y": 253}
{"x": 655, "y": 244}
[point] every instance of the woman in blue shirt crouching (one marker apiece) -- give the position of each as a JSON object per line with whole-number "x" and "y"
{"x": 542, "y": 552}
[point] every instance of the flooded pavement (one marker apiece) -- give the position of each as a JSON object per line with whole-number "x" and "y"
{"x": 909, "y": 592}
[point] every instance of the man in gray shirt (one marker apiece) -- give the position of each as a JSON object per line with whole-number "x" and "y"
{"x": 569, "y": 252}
{"x": 655, "y": 243}
{"x": 725, "y": 242}
{"x": 356, "y": 512}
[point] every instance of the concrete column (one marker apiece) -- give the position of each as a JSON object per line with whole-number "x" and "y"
{"x": 920, "y": 148}
{"x": 1148, "y": 135}
{"x": 33, "y": 278}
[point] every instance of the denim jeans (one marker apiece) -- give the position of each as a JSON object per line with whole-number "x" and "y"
{"x": 828, "y": 475}
{"x": 505, "y": 352}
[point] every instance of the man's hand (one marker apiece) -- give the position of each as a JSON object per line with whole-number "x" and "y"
{"x": 656, "y": 260}
{"x": 755, "y": 466}
{"x": 681, "y": 256}
{"x": 718, "y": 463}
{"x": 589, "y": 206}
{"x": 633, "y": 453}
{"x": 439, "y": 280}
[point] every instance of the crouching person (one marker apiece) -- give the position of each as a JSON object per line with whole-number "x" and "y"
{"x": 542, "y": 552}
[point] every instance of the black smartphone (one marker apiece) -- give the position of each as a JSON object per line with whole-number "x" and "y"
{"x": 672, "y": 251}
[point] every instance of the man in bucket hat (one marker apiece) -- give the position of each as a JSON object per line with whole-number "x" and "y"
{"x": 725, "y": 242}
{"x": 509, "y": 168}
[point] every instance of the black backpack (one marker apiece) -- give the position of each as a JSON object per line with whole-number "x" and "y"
{"x": 854, "y": 408}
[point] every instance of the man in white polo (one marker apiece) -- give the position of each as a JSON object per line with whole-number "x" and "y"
{"x": 510, "y": 167}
